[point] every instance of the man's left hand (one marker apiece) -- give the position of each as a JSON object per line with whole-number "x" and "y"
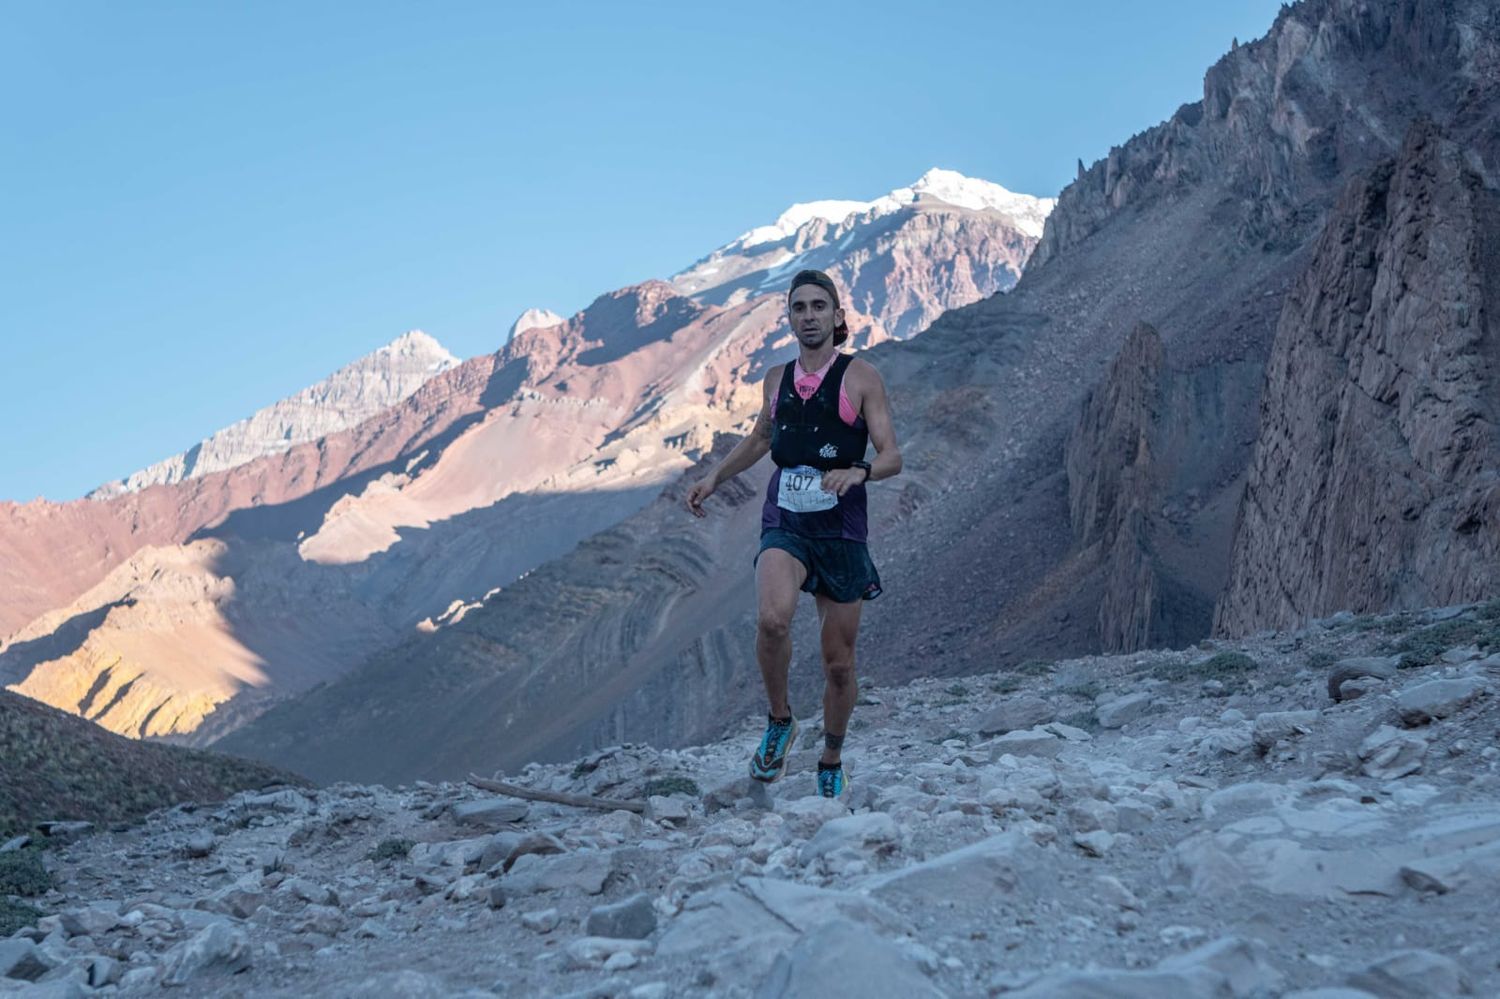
{"x": 838, "y": 480}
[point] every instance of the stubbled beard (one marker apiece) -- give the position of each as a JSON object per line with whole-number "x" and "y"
{"x": 823, "y": 337}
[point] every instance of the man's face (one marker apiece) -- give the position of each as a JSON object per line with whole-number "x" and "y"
{"x": 812, "y": 315}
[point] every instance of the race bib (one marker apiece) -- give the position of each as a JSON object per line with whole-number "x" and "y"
{"x": 802, "y": 491}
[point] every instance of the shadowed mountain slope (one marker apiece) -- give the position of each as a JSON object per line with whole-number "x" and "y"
{"x": 59, "y": 767}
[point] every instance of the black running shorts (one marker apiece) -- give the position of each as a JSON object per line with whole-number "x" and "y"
{"x": 838, "y": 569}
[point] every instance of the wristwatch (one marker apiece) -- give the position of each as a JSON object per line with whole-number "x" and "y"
{"x": 862, "y": 464}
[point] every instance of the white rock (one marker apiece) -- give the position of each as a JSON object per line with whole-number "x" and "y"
{"x": 1096, "y": 843}
{"x": 491, "y": 813}
{"x": 668, "y": 808}
{"x": 1112, "y": 891}
{"x": 458, "y": 853}
{"x": 843, "y": 958}
{"x": 581, "y": 870}
{"x": 631, "y": 919}
{"x": 1018, "y": 797}
{"x": 23, "y": 959}
{"x": 1272, "y": 727}
{"x": 1090, "y": 814}
{"x": 1017, "y": 712}
{"x": 1425, "y": 702}
{"x": 854, "y": 831}
{"x": 1123, "y": 710}
{"x": 1007, "y": 862}
{"x": 1417, "y": 974}
{"x": 1244, "y": 963}
{"x": 747, "y": 924}
{"x": 592, "y": 952}
{"x": 1031, "y": 742}
{"x": 1199, "y": 983}
{"x": 92, "y": 920}
{"x": 217, "y": 949}
{"x": 1388, "y": 753}
{"x": 541, "y": 921}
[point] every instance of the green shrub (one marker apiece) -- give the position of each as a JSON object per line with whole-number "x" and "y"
{"x": 1089, "y": 690}
{"x": 1006, "y": 684}
{"x": 671, "y": 785}
{"x": 1397, "y": 623}
{"x": 1034, "y": 667}
{"x": 22, "y": 873}
{"x": 1489, "y": 638}
{"x": 1222, "y": 666}
{"x": 1489, "y": 610}
{"x": 1321, "y": 660}
{"x": 1227, "y": 663}
{"x": 394, "y": 848}
{"x": 15, "y": 916}
{"x": 956, "y": 690}
{"x": 1426, "y": 646}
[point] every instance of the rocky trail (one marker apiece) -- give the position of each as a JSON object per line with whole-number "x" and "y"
{"x": 1312, "y": 813}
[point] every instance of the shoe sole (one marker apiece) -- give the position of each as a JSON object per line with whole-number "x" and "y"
{"x": 786, "y": 760}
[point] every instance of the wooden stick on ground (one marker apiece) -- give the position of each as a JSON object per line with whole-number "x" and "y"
{"x": 557, "y": 797}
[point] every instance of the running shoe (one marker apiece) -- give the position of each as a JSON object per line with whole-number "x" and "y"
{"x": 831, "y": 780}
{"x": 770, "y": 759}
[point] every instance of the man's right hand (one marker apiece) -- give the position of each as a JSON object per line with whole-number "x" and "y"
{"x": 702, "y": 490}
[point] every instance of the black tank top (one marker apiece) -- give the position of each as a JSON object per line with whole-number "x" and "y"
{"x": 809, "y": 431}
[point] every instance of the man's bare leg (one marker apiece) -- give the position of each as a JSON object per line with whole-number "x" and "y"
{"x": 778, "y": 580}
{"x": 840, "y": 689}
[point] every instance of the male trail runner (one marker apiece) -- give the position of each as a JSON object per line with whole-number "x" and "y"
{"x": 816, "y": 417}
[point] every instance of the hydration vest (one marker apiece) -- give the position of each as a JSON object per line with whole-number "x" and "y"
{"x": 808, "y": 432}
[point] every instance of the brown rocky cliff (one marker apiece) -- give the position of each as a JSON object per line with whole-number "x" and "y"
{"x": 1285, "y": 116}
{"x": 1112, "y": 488}
{"x": 1376, "y": 479}
{"x": 1141, "y": 480}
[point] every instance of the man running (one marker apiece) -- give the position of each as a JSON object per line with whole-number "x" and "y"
{"x": 817, "y": 414}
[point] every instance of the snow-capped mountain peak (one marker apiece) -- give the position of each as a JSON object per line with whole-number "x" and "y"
{"x": 535, "y": 319}
{"x": 417, "y": 343}
{"x": 948, "y": 186}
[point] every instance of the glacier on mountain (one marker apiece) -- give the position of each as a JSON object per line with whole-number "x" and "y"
{"x": 949, "y": 186}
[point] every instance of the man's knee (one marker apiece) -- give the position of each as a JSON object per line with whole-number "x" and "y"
{"x": 838, "y": 667}
{"x": 773, "y": 627}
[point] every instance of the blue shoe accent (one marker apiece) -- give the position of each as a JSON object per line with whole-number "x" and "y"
{"x": 770, "y": 759}
{"x": 831, "y": 780}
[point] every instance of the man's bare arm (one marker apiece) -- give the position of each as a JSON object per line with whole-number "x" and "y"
{"x": 877, "y": 412}
{"x": 876, "y": 409}
{"x": 754, "y": 446}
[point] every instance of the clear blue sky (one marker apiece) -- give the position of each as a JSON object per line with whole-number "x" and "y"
{"x": 211, "y": 205}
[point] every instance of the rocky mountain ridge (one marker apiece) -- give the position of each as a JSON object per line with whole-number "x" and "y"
{"x": 348, "y": 397}
{"x": 906, "y": 256}
{"x": 1304, "y": 814}
{"x": 568, "y": 429}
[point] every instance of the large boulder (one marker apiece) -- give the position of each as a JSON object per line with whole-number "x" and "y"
{"x": 841, "y": 958}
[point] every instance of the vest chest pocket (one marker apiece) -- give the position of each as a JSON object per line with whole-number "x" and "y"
{"x": 802, "y": 491}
